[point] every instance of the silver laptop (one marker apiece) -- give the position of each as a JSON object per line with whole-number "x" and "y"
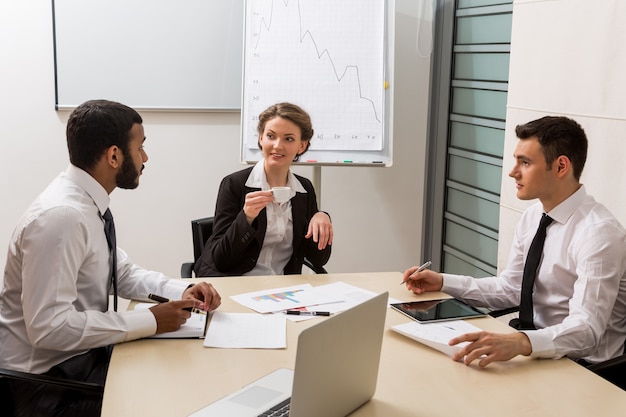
{"x": 335, "y": 373}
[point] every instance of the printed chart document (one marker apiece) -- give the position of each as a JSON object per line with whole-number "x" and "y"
{"x": 349, "y": 295}
{"x": 286, "y": 298}
{"x": 193, "y": 328}
{"x": 437, "y": 335}
{"x": 246, "y": 330}
{"x": 333, "y": 298}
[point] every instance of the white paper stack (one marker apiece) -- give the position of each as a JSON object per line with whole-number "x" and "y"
{"x": 437, "y": 335}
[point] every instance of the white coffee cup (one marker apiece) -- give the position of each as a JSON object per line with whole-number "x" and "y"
{"x": 281, "y": 194}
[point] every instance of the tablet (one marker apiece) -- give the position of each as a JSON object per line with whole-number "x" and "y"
{"x": 438, "y": 310}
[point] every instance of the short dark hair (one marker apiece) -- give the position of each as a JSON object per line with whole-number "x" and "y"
{"x": 292, "y": 113}
{"x": 96, "y": 125}
{"x": 558, "y": 135}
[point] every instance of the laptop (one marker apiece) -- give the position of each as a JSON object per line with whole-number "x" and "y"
{"x": 335, "y": 372}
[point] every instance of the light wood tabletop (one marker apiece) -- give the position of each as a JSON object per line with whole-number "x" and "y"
{"x": 176, "y": 377}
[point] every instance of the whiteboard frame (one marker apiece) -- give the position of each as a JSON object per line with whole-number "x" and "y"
{"x": 369, "y": 158}
{"x": 121, "y": 57}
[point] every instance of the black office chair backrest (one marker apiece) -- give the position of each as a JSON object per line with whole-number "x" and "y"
{"x": 613, "y": 370}
{"x": 201, "y": 229}
{"x": 87, "y": 389}
{"x": 6, "y": 397}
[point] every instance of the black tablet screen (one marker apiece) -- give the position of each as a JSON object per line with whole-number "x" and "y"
{"x": 437, "y": 310}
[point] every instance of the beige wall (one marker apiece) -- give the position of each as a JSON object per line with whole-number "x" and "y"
{"x": 377, "y": 212}
{"x": 568, "y": 58}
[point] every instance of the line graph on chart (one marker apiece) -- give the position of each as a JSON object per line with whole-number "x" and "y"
{"x": 321, "y": 55}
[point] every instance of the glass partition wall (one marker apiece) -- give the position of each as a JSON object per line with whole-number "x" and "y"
{"x": 466, "y": 138}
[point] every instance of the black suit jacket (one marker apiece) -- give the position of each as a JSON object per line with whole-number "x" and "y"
{"x": 234, "y": 245}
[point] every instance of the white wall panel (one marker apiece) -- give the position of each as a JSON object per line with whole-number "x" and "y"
{"x": 568, "y": 57}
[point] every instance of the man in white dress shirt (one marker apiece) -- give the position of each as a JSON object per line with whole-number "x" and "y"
{"x": 579, "y": 298}
{"x": 54, "y": 312}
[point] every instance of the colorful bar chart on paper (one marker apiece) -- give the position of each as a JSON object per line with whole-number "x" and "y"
{"x": 278, "y": 299}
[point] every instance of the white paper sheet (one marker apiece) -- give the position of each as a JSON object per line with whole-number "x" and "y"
{"x": 246, "y": 330}
{"x": 349, "y": 295}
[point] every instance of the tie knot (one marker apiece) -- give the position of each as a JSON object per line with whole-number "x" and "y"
{"x": 545, "y": 221}
{"x": 107, "y": 215}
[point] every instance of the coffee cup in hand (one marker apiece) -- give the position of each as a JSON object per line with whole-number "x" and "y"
{"x": 281, "y": 194}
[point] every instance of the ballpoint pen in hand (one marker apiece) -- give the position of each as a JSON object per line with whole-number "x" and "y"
{"x": 159, "y": 299}
{"x": 420, "y": 269}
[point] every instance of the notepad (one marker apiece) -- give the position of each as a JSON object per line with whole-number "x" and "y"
{"x": 437, "y": 335}
{"x": 195, "y": 326}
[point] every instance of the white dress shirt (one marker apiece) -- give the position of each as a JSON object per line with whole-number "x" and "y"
{"x": 579, "y": 297}
{"x": 278, "y": 242}
{"x": 54, "y": 297}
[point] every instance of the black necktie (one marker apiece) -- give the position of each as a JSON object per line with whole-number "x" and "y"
{"x": 109, "y": 231}
{"x": 530, "y": 272}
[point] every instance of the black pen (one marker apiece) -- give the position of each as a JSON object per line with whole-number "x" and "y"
{"x": 160, "y": 299}
{"x": 420, "y": 269}
{"x": 307, "y": 313}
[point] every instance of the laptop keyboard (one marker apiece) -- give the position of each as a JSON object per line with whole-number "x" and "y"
{"x": 279, "y": 410}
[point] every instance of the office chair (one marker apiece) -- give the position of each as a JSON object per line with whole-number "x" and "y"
{"x": 6, "y": 396}
{"x": 503, "y": 312}
{"x": 317, "y": 270}
{"x": 613, "y": 370}
{"x": 201, "y": 229}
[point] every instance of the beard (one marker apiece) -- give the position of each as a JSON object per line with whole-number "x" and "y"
{"x": 128, "y": 176}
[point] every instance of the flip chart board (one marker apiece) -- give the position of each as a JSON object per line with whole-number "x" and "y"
{"x": 334, "y": 58}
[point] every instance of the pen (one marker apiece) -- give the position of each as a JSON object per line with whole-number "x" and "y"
{"x": 420, "y": 269}
{"x": 307, "y": 313}
{"x": 160, "y": 299}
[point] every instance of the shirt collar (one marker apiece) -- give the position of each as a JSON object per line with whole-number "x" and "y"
{"x": 566, "y": 208}
{"x": 90, "y": 185}
{"x": 258, "y": 179}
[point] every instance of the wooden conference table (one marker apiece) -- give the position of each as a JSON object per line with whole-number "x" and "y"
{"x": 176, "y": 377}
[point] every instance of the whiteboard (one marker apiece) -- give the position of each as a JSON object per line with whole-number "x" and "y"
{"x": 149, "y": 54}
{"x": 334, "y": 58}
